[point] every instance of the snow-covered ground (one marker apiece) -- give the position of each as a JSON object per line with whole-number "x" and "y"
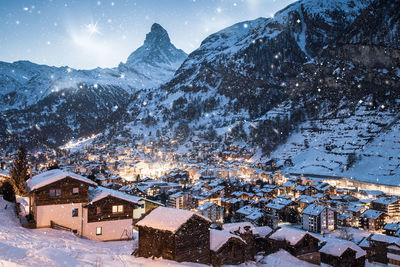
{"x": 47, "y": 247}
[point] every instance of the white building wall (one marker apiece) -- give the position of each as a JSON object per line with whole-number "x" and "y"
{"x": 111, "y": 230}
{"x": 60, "y": 214}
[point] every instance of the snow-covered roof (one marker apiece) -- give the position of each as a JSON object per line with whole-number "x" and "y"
{"x": 354, "y": 208}
{"x": 292, "y": 235}
{"x": 385, "y": 200}
{"x": 336, "y": 247}
{"x": 205, "y": 206}
{"x": 98, "y": 193}
{"x": 306, "y": 199}
{"x": 313, "y": 209}
{"x": 392, "y": 226}
{"x": 239, "y": 227}
{"x": 168, "y": 219}
{"x": 385, "y": 239}
{"x": 263, "y": 231}
{"x": 219, "y": 238}
{"x": 282, "y": 258}
{"x": 52, "y": 176}
{"x": 371, "y": 214}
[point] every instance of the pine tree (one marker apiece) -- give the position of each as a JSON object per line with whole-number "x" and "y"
{"x": 19, "y": 172}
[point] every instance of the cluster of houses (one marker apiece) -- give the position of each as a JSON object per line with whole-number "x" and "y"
{"x": 222, "y": 222}
{"x": 187, "y": 236}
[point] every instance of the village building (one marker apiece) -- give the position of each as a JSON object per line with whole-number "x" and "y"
{"x": 297, "y": 242}
{"x": 317, "y": 218}
{"x": 212, "y": 211}
{"x": 180, "y": 200}
{"x": 372, "y": 220}
{"x": 247, "y": 232}
{"x": 226, "y": 248}
{"x": 389, "y": 205}
{"x": 57, "y": 198}
{"x": 68, "y": 201}
{"x": 337, "y": 253}
{"x": 174, "y": 234}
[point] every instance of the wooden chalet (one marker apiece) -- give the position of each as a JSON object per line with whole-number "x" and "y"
{"x": 337, "y": 253}
{"x": 226, "y": 248}
{"x": 372, "y": 220}
{"x": 296, "y": 242}
{"x": 57, "y": 198}
{"x": 173, "y": 234}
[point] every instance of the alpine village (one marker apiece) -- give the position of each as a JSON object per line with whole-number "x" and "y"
{"x": 275, "y": 143}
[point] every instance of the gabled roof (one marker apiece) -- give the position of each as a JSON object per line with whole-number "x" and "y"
{"x": 371, "y": 214}
{"x": 219, "y": 238}
{"x": 53, "y": 176}
{"x": 99, "y": 193}
{"x": 238, "y": 227}
{"x": 336, "y": 247}
{"x": 313, "y": 210}
{"x": 168, "y": 219}
{"x": 291, "y": 235}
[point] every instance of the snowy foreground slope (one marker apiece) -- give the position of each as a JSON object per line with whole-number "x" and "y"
{"x": 47, "y": 247}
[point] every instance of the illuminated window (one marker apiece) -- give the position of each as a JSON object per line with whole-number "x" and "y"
{"x": 118, "y": 208}
{"x": 99, "y": 231}
{"x": 98, "y": 210}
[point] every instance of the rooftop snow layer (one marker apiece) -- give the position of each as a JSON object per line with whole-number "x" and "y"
{"x": 101, "y": 192}
{"x": 336, "y": 247}
{"x": 52, "y": 176}
{"x": 292, "y": 235}
{"x": 219, "y": 238}
{"x": 168, "y": 219}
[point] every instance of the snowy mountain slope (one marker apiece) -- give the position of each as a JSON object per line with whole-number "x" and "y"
{"x": 377, "y": 25}
{"x": 24, "y": 83}
{"x": 41, "y": 104}
{"x": 290, "y": 81}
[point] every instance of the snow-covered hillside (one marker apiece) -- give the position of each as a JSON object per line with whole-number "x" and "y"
{"x": 75, "y": 103}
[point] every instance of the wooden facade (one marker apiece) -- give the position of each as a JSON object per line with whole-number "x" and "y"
{"x": 190, "y": 243}
{"x": 348, "y": 258}
{"x": 307, "y": 244}
{"x": 102, "y": 210}
{"x": 233, "y": 252}
{"x": 66, "y": 195}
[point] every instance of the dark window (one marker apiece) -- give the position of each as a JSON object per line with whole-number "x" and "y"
{"x": 52, "y": 192}
{"x": 75, "y": 212}
{"x": 55, "y": 192}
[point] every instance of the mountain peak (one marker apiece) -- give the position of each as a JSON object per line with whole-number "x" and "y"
{"x": 157, "y": 35}
{"x": 157, "y": 49}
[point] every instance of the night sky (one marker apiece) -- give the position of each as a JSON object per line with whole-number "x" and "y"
{"x": 89, "y": 33}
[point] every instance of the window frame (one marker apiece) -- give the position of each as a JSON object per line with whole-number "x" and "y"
{"x": 117, "y": 209}
{"x": 77, "y": 191}
{"x": 75, "y": 214}
{"x": 55, "y": 192}
{"x": 97, "y": 230}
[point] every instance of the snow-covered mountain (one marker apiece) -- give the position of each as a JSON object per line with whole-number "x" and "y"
{"x": 303, "y": 87}
{"x": 74, "y": 102}
{"x": 314, "y": 88}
